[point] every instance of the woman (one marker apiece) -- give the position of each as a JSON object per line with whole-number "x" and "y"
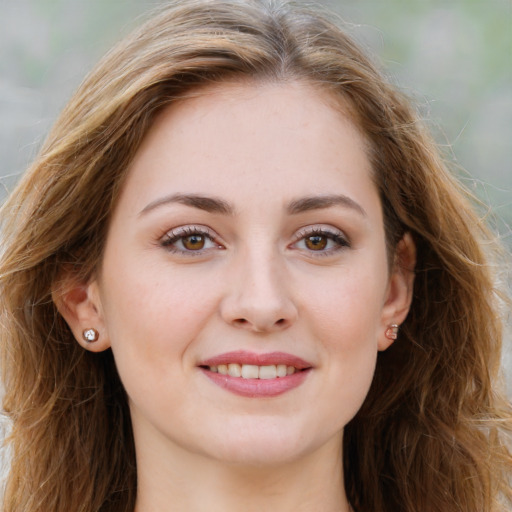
{"x": 239, "y": 277}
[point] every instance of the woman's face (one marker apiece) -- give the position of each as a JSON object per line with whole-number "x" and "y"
{"x": 248, "y": 239}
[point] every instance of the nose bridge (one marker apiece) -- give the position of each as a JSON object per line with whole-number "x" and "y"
{"x": 259, "y": 297}
{"x": 262, "y": 283}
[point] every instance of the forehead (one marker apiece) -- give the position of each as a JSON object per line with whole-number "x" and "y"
{"x": 281, "y": 140}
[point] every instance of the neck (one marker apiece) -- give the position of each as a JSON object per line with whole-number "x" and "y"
{"x": 193, "y": 483}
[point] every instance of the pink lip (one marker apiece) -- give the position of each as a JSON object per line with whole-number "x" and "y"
{"x": 257, "y": 388}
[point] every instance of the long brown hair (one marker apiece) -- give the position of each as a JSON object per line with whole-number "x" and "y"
{"x": 431, "y": 435}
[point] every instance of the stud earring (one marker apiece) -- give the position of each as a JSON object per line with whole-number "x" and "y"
{"x": 90, "y": 335}
{"x": 392, "y": 332}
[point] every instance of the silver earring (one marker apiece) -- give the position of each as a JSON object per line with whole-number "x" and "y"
{"x": 90, "y": 335}
{"x": 392, "y": 332}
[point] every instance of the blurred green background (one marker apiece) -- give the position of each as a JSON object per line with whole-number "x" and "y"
{"x": 454, "y": 58}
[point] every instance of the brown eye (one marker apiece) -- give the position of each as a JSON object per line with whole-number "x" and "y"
{"x": 320, "y": 241}
{"x": 316, "y": 242}
{"x": 190, "y": 240}
{"x": 194, "y": 242}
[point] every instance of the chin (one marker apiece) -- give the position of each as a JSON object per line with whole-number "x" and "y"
{"x": 261, "y": 445}
{"x": 259, "y": 456}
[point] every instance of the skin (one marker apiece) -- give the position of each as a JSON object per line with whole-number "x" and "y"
{"x": 257, "y": 283}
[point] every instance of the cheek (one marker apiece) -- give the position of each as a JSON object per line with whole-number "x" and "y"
{"x": 349, "y": 336}
{"x": 154, "y": 299}
{"x": 345, "y": 319}
{"x": 153, "y": 317}
{"x": 346, "y": 308}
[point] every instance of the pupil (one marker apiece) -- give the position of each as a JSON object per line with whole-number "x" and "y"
{"x": 316, "y": 242}
{"x": 194, "y": 242}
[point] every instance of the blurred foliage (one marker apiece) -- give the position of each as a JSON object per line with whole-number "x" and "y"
{"x": 454, "y": 58}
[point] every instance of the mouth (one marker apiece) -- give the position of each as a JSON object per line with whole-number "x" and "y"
{"x": 252, "y": 371}
{"x": 256, "y": 375}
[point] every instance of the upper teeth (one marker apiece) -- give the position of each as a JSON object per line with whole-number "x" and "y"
{"x": 251, "y": 371}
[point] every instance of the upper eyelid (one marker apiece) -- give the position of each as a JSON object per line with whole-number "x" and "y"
{"x": 321, "y": 229}
{"x": 189, "y": 229}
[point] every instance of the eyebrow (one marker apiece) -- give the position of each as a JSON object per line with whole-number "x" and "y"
{"x": 216, "y": 205}
{"x": 305, "y": 204}
{"x": 208, "y": 204}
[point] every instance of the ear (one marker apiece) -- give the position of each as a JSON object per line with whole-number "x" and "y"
{"x": 397, "y": 301}
{"x": 80, "y": 305}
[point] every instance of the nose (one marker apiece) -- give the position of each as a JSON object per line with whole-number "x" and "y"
{"x": 258, "y": 296}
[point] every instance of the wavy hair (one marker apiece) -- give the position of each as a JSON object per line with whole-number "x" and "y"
{"x": 432, "y": 434}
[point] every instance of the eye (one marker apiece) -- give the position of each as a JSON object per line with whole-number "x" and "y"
{"x": 190, "y": 239}
{"x": 316, "y": 242}
{"x": 321, "y": 240}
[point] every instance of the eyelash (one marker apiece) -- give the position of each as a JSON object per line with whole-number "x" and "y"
{"x": 333, "y": 235}
{"x": 179, "y": 234}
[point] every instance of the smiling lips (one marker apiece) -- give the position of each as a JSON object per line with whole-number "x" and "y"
{"x": 252, "y": 371}
{"x": 256, "y": 375}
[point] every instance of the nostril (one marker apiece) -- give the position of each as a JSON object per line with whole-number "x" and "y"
{"x": 260, "y": 325}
